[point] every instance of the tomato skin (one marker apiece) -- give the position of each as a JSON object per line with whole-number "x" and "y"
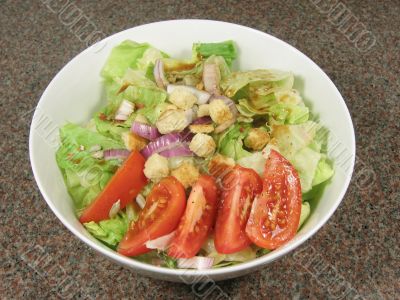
{"x": 125, "y": 185}
{"x": 275, "y": 214}
{"x": 240, "y": 187}
{"x": 164, "y": 208}
{"x": 201, "y": 205}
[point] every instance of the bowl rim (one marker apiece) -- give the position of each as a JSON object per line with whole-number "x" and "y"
{"x": 235, "y": 269}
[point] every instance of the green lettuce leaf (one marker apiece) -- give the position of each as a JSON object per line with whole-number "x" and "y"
{"x": 225, "y": 49}
{"x": 223, "y": 67}
{"x": 111, "y": 129}
{"x": 138, "y": 89}
{"x": 128, "y": 76}
{"x": 184, "y": 72}
{"x": 282, "y": 107}
{"x": 149, "y": 58}
{"x": 84, "y": 175}
{"x": 305, "y": 212}
{"x": 286, "y": 113}
{"x": 125, "y": 55}
{"x": 255, "y": 161}
{"x": 323, "y": 172}
{"x": 231, "y": 142}
{"x": 190, "y": 70}
{"x": 220, "y": 259}
{"x": 306, "y": 161}
{"x": 292, "y": 138}
{"x": 256, "y": 85}
{"x": 301, "y": 145}
{"x": 109, "y": 231}
{"x": 175, "y": 66}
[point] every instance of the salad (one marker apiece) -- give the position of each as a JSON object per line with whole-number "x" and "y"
{"x": 191, "y": 164}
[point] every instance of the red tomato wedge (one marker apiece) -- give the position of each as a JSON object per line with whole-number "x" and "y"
{"x": 164, "y": 208}
{"x": 275, "y": 214}
{"x": 197, "y": 221}
{"x": 125, "y": 185}
{"x": 240, "y": 187}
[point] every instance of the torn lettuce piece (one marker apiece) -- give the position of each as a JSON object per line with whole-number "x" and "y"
{"x": 301, "y": 145}
{"x": 231, "y": 142}
{"x": 224, "y": 264}
{"x": 109, "y": 231}
{"x": 255, "y": 161}
{"x": 292, "y": 138}
{"x": 74, "y": 135}
{"x": 289, "y": 108}
{"x": 256, "y": 85}
{"x": 305, "y": 162}
{"x": 247, "y": 110}
{"x": 125, "y": 55}
{"x": 141, "y": 91}
{"x": 152, "y": 111}
{"x": 144, "y": 92}
{"x": 225, "y": 49}
{"x": 282, "y": 107}
{"x": 85, "y": 176}
{"x": 111, "y": 129}
{"x": 126, "y": 78}
{"x": 305, "y": 212}
{"x": 261, "y": 251}
{"x": 190, "y": 65}
{"x": 323, "y": 172}
{"x": 149, "y": 58}
{"x": 223, "y": 67}
{"x": 241, "y": 256}
{"x": 190, "y": 70}
{"x": 137, "y": 78}
{"x": 286, "y": 113}
{"x": 188, "y": 74}
{"x": 167, "y": 261}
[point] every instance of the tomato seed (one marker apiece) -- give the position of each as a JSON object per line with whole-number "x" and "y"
{"x": 281, "y": 222}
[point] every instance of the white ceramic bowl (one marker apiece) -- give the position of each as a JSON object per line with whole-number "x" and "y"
{"x": 75, "y": 93}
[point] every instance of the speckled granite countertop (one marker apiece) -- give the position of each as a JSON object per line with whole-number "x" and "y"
{"x": 357, "y": 251}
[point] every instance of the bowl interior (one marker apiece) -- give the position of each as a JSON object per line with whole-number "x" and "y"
{"x": 75, "y": 93}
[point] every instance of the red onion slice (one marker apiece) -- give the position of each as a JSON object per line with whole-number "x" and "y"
{"x": 182, "y": 150}
{"x": 161, "y": 243}
{"x": 196, "y": 262}
{"x": 116, "y": 154}
{"x": 145, "y": 130}
{"x": 159, "y": 75}
{"x": 202, "y": 96}
{"x": 211, "y": 78}
{"x": 202, "y": 120}
{"x": 186, "y": 135}
{"x": 165, "y": 142}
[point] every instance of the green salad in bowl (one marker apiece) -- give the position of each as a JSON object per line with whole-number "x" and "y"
{"x": 192, "y": 164}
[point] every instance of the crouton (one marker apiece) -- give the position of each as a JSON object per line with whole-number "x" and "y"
{"x": 202, "y": 145}
{"x": 256, "y": 139}
{"x": 156, "y": 167}
{"x": 187, "y": 173}
{"x": 201, "y": 128}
